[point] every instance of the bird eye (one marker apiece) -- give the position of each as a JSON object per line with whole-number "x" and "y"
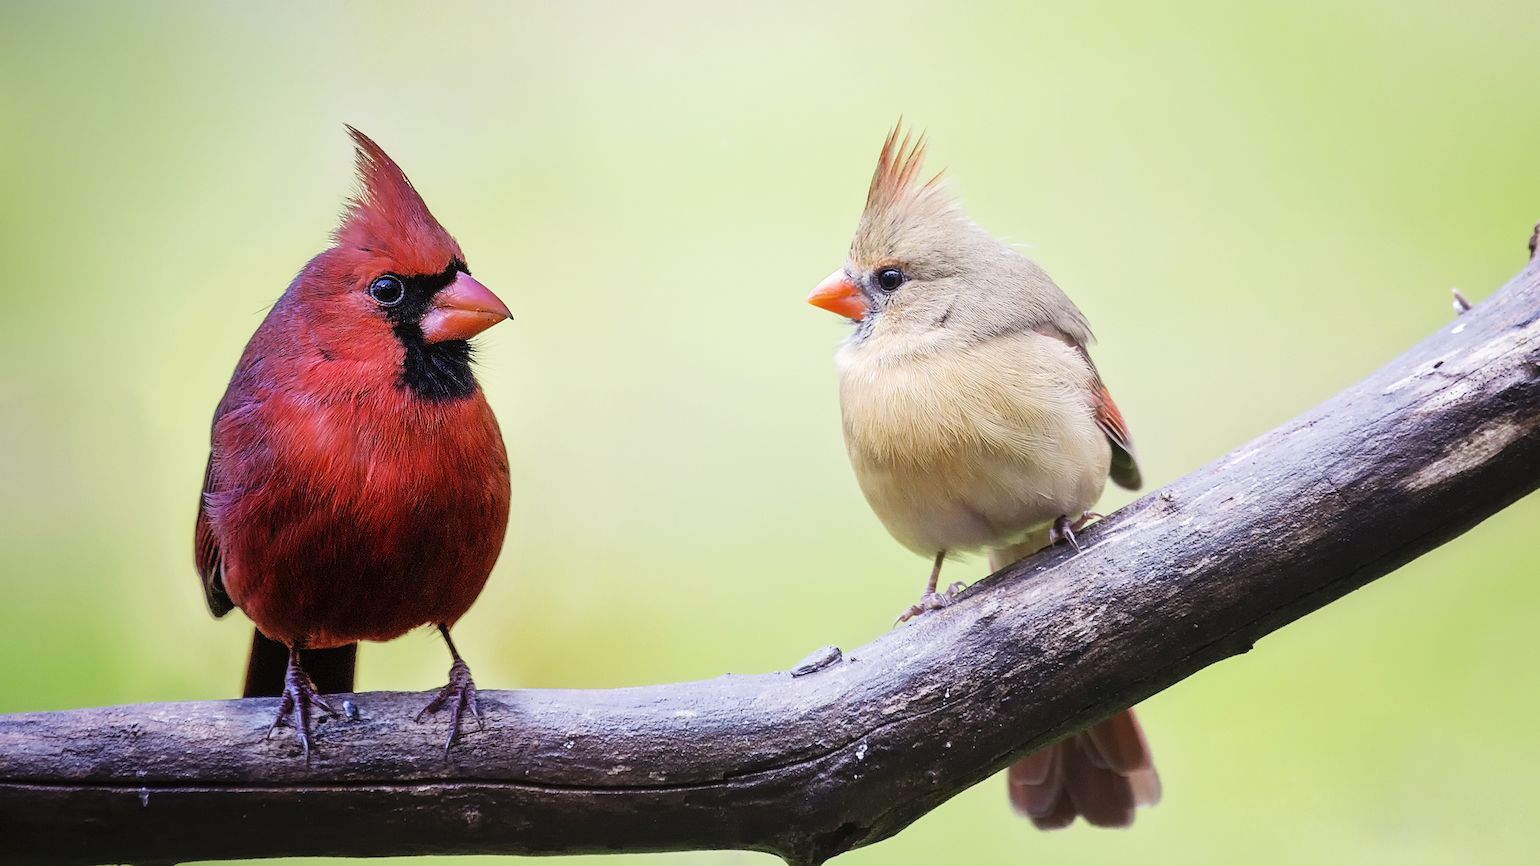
{"x": 889, "y": 279}
{"x": 387, "y": 291}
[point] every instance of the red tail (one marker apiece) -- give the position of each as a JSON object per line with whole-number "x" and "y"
{"x": 1102, "y": 774}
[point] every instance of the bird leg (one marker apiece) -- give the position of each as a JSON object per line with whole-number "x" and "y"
{"x": 459, "y": 694}
{"x": 1064, "y": 529}
{"x": 299, "y": 696}
{"x": 932, "y": 600}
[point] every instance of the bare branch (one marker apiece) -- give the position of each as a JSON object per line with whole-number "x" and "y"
{"x": 847, "y": 749}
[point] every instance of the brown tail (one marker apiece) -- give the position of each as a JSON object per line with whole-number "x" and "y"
{"x": 330, "y": 669}
{"x": 1102, "y": 774}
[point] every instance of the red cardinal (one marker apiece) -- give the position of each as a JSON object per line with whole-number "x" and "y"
{"x": 357, "y": 485}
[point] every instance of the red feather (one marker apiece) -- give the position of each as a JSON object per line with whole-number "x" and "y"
{"x": 1102, "y": 774}
{"x": 1110, "y": 419}
{"x": 1125, "y": 463}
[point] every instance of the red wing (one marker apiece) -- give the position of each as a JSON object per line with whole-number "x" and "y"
{"x": 206, "y": 551}
{"x": 1111, "y": 420}
{"x": 1125, "y": 465}
{"x": 207, "y": 556}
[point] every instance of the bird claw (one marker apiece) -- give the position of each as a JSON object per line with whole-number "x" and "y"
{"x": 299, "y": 696}
{"x": 931, "y": 601}
{"x": 460, "y": 695}
{"x": 1064, "y": 529}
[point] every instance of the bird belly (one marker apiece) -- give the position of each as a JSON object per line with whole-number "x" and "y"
{"x": 972, "y": 501}
{"x": 340, "y": 573}
{"x": 350, "y": 536}
{"x": 971, "y": 451}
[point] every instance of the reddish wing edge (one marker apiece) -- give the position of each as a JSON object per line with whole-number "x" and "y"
{"x": 1124, "y": 471}
{"x": 1125, "y": 464}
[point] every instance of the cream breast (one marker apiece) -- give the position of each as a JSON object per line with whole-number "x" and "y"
{"x": 960, "y": 447}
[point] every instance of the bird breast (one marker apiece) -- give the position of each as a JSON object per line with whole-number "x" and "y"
{"x": 964, "y": 446}
{"x": 349, "y": 520}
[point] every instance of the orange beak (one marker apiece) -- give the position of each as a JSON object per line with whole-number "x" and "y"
{"x": 839, "y": 294}
{"x": 461, "y": 310}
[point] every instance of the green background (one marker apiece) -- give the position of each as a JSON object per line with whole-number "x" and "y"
{"x": 1255, "y": 205}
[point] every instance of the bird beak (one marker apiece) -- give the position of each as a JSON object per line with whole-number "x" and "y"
{"x": 839, "y": 294}
{"x": 461, "y": 310}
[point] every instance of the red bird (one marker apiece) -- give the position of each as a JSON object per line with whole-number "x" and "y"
{"x": 357, "y": 484}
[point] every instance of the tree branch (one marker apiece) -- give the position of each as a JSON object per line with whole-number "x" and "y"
{"x": 845, "y": 751}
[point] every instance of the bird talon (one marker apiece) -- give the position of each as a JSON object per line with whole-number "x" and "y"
{"x": 475, "y": 707}
{"x": 294, "y": 709}
{"x": 459, "y": 694}
{"x": 432, "y": 707}
{"x": 1063, "y": 530}
{"x": 931, "y": 601}
{"x": 285, "y": 706}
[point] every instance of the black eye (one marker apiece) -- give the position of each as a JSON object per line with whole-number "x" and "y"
{"x": 387, "y": 291}
{"x": 889, "y": 279}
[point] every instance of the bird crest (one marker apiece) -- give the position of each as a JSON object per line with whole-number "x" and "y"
{"x": 895, "y": 186}
{"x": 898, "y": 204}
{"x": 387, "y": 216}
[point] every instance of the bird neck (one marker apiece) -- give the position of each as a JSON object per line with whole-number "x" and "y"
{"x": 436, "y": 372}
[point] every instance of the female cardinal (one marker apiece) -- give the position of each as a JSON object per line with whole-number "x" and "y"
{"x": 975, "y": 419}
{"x": 357, "y": 485}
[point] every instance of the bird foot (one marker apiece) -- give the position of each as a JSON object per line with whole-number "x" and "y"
{"x": 459, "y": 695}
{"x": 931, "y": 601}
{"x": 1064, "y": 529}
{"x": 294, "y": 710}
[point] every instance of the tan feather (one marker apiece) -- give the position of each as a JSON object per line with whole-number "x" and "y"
{"x": 898, "y": 167}
{"x": 961, "y": 447}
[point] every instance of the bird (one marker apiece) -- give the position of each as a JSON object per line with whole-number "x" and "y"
{"x": 357, "y": 483}
{"x": 975, "y": 420}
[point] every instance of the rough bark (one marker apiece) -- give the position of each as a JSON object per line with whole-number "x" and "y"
{"x": 848, "y": 749}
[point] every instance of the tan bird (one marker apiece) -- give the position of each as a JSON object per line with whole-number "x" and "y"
{"x": 975, "y": 420}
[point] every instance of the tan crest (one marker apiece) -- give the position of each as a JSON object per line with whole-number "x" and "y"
{"x": 895, "y": 182}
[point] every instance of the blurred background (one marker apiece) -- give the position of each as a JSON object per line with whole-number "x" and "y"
{"x": 1255, "y": 205}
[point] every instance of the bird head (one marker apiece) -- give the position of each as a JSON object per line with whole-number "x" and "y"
{"x": 404, "y": 266}
{"x": 394, "y": 288}
{"x": 918, "y": 266}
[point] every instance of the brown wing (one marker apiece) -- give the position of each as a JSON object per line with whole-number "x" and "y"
{"x": 1125, "y": 463}
{"x": 206, "y": 551}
